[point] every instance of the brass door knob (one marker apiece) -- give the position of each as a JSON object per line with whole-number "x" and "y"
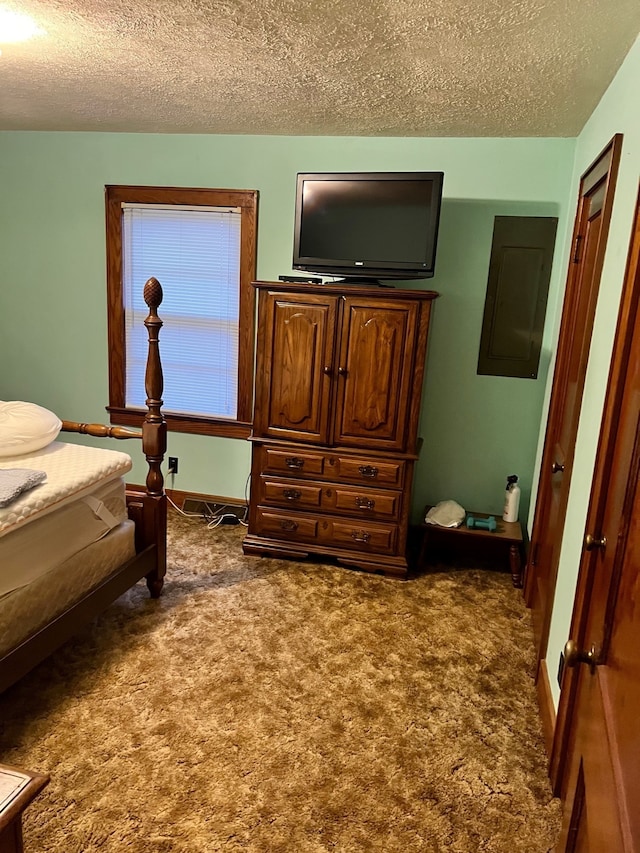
{"x": 556, "y": 467}
{"x": 591, "y": 543}
{"x": 573, "y": 655}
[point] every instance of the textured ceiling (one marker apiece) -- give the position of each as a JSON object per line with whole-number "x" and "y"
{"x": 315, "y": 67}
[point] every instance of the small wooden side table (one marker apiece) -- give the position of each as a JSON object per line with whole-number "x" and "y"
{"x": 507, "y": 532}
{"x": 17, "y": 789}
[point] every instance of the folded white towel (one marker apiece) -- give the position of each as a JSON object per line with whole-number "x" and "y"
{"x": 446, "y": 514}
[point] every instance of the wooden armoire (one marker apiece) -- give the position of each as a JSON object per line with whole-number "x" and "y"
{"x": 339, "y": 370}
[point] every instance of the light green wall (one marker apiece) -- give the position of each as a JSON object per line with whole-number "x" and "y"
{"x": 617, "y": 113}
{"x": 477, "y": 429}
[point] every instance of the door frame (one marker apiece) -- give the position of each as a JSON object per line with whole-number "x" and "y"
{"x": 604, "y": 167}
{"x": 628, "y": 315}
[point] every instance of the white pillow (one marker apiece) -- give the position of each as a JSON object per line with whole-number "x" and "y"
{"x": 26, "y": 427}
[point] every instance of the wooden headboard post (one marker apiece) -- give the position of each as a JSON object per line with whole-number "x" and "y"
{"x": 154, "y": 441}
{"x": 148, "y": 509}
{"x": 154, "y": 428}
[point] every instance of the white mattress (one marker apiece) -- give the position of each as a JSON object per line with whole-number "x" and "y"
{"x": 29, "y": 608}
{"x": 73, "y": 471}
{"x": 33, "y": 549}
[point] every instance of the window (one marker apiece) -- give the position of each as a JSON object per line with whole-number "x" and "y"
{"x": 201, "y": 246}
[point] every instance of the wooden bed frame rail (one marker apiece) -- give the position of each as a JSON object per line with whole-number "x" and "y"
{"x": 147, "y": 509}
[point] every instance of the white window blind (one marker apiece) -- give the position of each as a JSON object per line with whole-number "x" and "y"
{"x": 194, "y": 252}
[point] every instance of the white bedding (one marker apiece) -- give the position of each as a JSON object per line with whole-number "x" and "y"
{"x": 29, "y": 608}
{"x": 58, "y": 540}
{"x": 73, "y": 471}
{"x": 34, "y": 549}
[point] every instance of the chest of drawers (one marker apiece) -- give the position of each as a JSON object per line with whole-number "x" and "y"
{"x": 310, "y": 501}
{"x": 337, "y": 399}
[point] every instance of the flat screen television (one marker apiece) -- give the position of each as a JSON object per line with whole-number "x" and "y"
{"x": 367, "y": 225}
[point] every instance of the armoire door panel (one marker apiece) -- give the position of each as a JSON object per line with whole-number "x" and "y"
{"x": 293, "y": 390}
{"x": 297, "y": 369}
{"x": 370, "y": 386}
{"x": 375, "y": 365}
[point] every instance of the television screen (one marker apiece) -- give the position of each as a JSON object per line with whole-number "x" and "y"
{"x": 381, "y": 225}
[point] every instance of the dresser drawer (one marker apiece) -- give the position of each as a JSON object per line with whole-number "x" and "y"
{"x": 285, "y": 525}
{"x": 332, "y": 533}
{"x": 363, "y": 536}
{"x": 359, "y": 502}
{"x": 337, "y": 467}
{"x": 295, "y": 493}
{"x": 295, "y": 462}
{"x": 366, "y": 470}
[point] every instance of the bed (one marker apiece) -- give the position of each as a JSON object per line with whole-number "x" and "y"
{"x": 79, "y": 538}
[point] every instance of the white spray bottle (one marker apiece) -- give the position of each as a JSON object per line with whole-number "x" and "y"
{"x": 511, "y": 499}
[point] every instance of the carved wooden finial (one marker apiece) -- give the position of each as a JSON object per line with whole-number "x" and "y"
{"x": 153, "y": 294}
{"x": 154, "y": 428}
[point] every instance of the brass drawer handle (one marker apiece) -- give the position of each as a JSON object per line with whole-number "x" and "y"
{"x": 368, "y": 471}
{"x": 365, "y": 503}
{"x": 294, "y": 462}
{"x": 292, "y": 494}
{"x": 289, "y": 525}
{"x": 361, "y": 536}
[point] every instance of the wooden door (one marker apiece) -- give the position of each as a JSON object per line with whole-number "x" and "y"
{"x": 596, "y": 752}
{"x": 589, "y": 242}
{"x": 295, "y": 366}
{"x": 375, "y": 372}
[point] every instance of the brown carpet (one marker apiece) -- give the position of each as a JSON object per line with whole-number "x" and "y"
{"x": 264, "y": 705}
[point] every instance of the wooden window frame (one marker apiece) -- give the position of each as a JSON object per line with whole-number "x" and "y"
{"x": 247, "y": 201}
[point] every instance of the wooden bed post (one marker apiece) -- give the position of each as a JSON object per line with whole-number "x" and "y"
{"x": 154, "y": 441}
{"x": 147, "y": 509}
